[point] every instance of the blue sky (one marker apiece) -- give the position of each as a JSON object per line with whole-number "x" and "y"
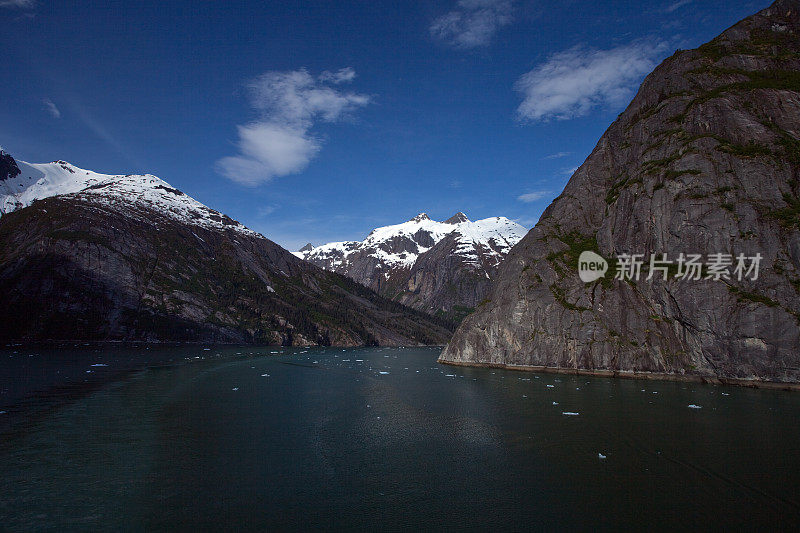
{"x": 317, "y": 121}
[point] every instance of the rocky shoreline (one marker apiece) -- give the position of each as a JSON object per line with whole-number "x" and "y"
{"x": 649, "y": 376}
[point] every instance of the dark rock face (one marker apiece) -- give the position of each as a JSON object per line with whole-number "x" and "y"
{"x": 457, "y": 218}
{"x": 706, "y": 159}
{"x": 76, "y": 269}
{"x": 8, "y": 167}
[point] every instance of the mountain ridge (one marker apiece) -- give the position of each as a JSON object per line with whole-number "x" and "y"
{"x": 96, "y": 257}
{"x": 438, "y": 267}
{"x": 704, "y": 160}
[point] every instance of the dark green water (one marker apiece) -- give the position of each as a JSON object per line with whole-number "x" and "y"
{"x": 324, "y": 440}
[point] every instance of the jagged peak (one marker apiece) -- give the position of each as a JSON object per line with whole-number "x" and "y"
{"x": 307, "y": 248}
{"x": 8, "y": 166}
{"x": 457, "y": 218}
{"x": 420, "y": 217}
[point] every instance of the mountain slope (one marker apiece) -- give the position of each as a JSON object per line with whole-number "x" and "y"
{"x": 705, "y": 160}
{"x": 437, "y": 267}
{"x": 87, "y": 256}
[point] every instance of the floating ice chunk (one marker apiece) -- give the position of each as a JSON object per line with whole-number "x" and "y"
{"x": 235, "y": 388}
{"x": 99, "y": 364}
{"x": 725, "y": 394}
{"x": 206, "y": 349}
{"x": 693, "y": 406}
{"x": 524, "y": 395}
{"x": 449, "y": 375}
{"x": 2, "y": 412}
{"x": 382, "y": 372}
{"x": 555, "y": 403}
{"x": 264, "y": 375}
{"x": 569, "y": 413}
{"x": 550, "y": 386}
{"x": 359, "y": 360}
{"x": 345, "y": 360}
{"x": 600, "y": 456}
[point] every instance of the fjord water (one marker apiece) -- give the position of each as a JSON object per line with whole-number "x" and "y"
{"x": 385, "y": 438}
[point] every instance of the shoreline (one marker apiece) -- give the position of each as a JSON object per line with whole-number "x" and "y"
{"x": 628, "y": 374}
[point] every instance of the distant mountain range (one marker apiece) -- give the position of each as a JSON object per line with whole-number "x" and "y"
{"x": 442, "y": 268}
{"x": 89, "y": 256}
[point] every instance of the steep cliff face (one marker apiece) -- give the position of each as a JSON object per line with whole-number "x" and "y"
{"x": 443, "y": 268}
{"x": 129, "y": 258}
{"x": 705, "y": 160}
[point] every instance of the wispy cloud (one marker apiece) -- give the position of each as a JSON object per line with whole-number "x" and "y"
{"x": 280, "y": 141}
{"x": 473, "y": 23}
{"x": 532, "y": 196}
{"x": 568, "y": 171}
{"x": 51, "y": 108}
{"x": 677, "y": 5}
{"x": 573, "y": 82}
{"x": 19, "y": 4}
{"x": 266, "y": 210}
{"x": 557, "y": 155}
{"x": 344, "y": 75}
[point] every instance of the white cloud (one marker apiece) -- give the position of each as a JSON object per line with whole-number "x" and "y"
{"x": 20, "y": 4}
{"x": 568, "y": 171}
{"x": 51, "y": 108}
{"x": 472, "y": 23}
{"x": 676, "y": 5}
{"x": 266, "y": 210}
{"x": 573, "y": 82}
{"x": 558, "y": 155}
{"x": 344, "y": 75}
{"x": 280, "y": 141}
{"x": 532, "y": 196}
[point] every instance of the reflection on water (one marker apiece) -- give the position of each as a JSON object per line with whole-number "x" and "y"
{"x": 387, "y": 438}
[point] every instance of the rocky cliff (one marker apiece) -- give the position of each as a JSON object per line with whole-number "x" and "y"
{"x": 705, "y": 160}
{"x": 442, "y": 268}
{"x": 87, "y": 256}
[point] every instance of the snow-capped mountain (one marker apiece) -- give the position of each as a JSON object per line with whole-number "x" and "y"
{"x": 89, "y": 256}
{"x": 22, "y": 183}
{"x": 430, "y": 265}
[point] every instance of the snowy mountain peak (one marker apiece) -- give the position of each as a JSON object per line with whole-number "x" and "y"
{"x": 307, "y": 248}
{"x": 429, "y": 265}
{"x": 399, "y": 245}
{"x": 33, "y": 182}
{"x": 457, "y": 218}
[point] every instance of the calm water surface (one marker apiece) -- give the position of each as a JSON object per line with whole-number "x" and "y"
{"x": 379, "y": 438}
